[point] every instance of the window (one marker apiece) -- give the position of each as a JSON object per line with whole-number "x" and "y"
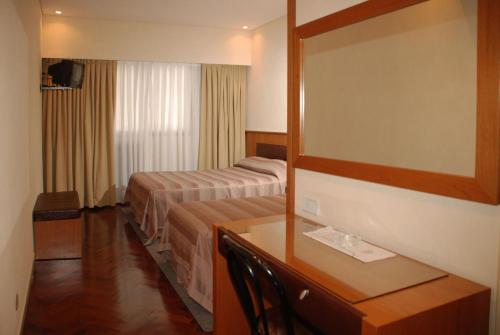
{"x": 157, "y": 118}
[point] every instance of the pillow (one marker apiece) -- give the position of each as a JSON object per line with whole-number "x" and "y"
{"x": 274, "y": 167}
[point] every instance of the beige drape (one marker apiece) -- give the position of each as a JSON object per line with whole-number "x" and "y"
{"x": 222, "y": 120}
{"x": 78, "y": 136}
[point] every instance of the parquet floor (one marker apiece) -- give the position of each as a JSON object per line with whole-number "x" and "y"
{"x": 116, "y": 288}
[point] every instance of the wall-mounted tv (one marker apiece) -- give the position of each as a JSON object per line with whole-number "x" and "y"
{"x": 67, "y": 73}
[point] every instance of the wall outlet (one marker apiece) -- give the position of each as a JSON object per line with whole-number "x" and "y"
{"x": 311, "y": 206}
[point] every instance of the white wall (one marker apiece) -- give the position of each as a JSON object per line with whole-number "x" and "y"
{"x": 69, "y": 37}
{"x": 310, "y": 10}
{"x": 267, "y": 104}
{"x": 458, "y": 236}
{"x": 20, "y": 149}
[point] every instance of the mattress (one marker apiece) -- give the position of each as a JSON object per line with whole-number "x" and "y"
{"x": 190, "y": 237}
{"x": 151, "y": 194}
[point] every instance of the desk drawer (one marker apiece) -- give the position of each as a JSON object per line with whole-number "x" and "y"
{"x": 324, "y": 311}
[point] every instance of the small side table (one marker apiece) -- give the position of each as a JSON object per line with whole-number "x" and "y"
{"x": 58, "y": 226}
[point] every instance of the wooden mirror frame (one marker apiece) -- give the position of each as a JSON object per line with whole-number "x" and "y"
{"x": 484, "y": 186}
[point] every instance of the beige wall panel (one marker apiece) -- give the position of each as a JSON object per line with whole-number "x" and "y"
{"x": 267, "y": 78}
{"x": 20, "y": 149}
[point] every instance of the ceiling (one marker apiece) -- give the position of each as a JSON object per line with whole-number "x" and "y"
{"x": 232, "y": 14}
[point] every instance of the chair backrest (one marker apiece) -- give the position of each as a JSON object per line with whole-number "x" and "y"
{"x": 249, "y": 275}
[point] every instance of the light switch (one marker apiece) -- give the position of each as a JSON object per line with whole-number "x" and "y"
{"x": 311, "y": 206}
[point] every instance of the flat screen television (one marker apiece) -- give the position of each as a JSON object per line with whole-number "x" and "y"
{"x": 67, "y": 73}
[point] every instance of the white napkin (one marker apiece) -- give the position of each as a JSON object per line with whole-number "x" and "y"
{"x": 349, "y": 245}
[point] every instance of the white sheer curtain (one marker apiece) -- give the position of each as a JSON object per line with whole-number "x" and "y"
{"x": 157, "y": 118}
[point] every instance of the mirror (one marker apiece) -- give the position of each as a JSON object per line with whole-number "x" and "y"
{"x": 395, "y": 90}
{"x": 403, "y": 93}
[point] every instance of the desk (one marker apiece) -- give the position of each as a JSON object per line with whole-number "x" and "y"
{"x": 393, "y": 296}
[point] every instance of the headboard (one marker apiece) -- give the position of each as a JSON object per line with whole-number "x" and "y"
{"x": 266, "y": 144}
{"x": 271, "y": 151}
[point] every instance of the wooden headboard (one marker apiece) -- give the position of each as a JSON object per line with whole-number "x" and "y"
{"x": 266, "y": 144}
{"x": 271, "y": 151}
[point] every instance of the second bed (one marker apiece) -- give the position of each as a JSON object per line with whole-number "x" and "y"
{"x": 190, "y": 237}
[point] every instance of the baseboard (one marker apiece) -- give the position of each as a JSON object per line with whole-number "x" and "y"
{"x": 27, "y": 298}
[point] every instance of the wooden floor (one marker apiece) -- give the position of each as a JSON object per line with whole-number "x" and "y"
{"x": 116, "y": 289}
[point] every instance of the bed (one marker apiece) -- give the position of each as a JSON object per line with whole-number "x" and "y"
{"x": 190, "y": 237}
{"x": 150, "y": 195}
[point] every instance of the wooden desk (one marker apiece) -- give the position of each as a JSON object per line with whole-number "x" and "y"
{"x": 393, "y": 296}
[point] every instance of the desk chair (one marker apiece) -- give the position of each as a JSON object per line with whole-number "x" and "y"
{"x": 251, "y": 277}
